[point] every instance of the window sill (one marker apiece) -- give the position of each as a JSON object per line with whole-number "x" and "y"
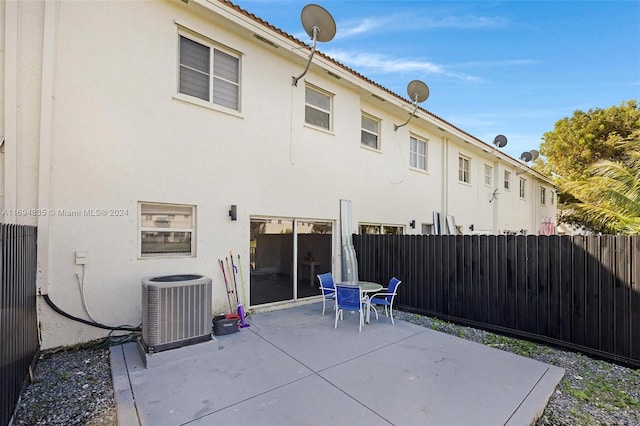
{"x": 415, "y": 169}
{"x": 201, "y": 103}
{"x": 465, "y": 183}
{"x": 167, "y": 256}
{"x": 320, "y": 129}
{"x": 368, "y": 148}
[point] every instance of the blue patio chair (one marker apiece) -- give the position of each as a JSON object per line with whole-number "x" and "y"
{"x": 328, "y": 288}
{"x": 385, "y": 298}
{"x": 349, "y": 298}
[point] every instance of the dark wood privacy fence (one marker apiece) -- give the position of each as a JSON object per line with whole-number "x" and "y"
{"x": 580, "y": 292}
{"x": 19, "y": 345}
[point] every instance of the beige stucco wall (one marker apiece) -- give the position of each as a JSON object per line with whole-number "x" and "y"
{"x": 120, "y": 134}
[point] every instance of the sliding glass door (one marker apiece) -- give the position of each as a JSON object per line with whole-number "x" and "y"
{"x": 286, "y": 256}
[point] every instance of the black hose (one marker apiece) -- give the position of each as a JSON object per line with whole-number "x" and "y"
{"x": 84, "y": 321}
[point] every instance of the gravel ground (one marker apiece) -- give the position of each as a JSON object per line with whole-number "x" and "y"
{"x": 74, "y": 387}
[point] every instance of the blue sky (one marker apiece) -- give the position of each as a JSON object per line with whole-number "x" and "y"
{"x": 492, "y": 67}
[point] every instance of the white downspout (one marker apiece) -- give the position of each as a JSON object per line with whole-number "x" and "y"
{"x": 495, "y": 197}
{"x": 11, "y": 85}
{"x": 445, "y": 182}
{"x": 44, "y": 163}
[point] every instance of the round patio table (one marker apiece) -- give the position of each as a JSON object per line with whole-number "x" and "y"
{"x": 365, "y": 287}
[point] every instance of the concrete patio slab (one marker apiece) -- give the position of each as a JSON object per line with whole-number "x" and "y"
{"x": 291, "y": 364}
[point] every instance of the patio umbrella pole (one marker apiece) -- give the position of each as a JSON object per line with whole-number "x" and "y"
{"x": 224, "y": 275}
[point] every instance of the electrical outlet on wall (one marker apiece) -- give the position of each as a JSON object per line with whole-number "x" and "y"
{"x": 82, "y": 257}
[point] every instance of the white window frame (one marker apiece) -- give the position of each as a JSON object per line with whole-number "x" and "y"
{"x": 319, "y": 108}
{"x": 142, "y": 213}
{"x": 543, "y": 195}
{"x": 213, "y": 47}
{"x": 464, "y": 169}
{"x": 523, "y": 188}
{"x": 415, "y": 155}
{"x": 488, "y": 175}
{"x": 376, "y": 134}
{"x": 507, "y": 180}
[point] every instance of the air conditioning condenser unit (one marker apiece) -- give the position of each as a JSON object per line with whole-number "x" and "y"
{"x": 176, "y": 311}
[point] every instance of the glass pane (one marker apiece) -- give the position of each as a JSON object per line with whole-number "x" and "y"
{"x": 166, "y": 216}
{"x": 194, "y": 55}
{"x": 413, "y": 142}
{"x": 413, "y": 159}
{"x": 271, "y": 255}
{"x": 226, "y": 66}
{"x": 317, "y": 99}
{"x": 225, "y": 93}
{"x": 194, "y": 83}
{"x": 166, "y": 242}
{"x": 369, "y": 124}
{"x": 422, "y": 148}
{"x": 393, "y": 230}
{"x": 314, "y": 255}
{"x": 316, "y": 117}
{"x": 369, "y": 229}
{"x": 421, "y": 163}
{"x": 369, "y": 139}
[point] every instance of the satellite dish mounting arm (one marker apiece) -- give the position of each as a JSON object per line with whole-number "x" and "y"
{"x": 415, "y": 103}
{"x": 313, "y": 51}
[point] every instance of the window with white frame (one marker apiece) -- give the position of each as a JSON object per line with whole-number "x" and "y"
{"x": 370, "y": 132}
{"x": 523, "y": 188}
{"x": 209, "y": 73}
{"x": 464, "y": 167}
{"x": 418, "y": 153}
{"x": 317, "y": 110}
{"x": 488, "y": 175}
{"x": 507, "y": 180}
{"x": 377, "y": 228}
{"x": 551, "y": 196}
{"x": 543, "y": 195}
{"x": 167, "y": 230}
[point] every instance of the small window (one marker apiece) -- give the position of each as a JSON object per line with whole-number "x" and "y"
{"x": 551, "y": 197}
{"x": 543, "y": 195}
{"x": 488, "y": 175}
{"x": 507, "y": 180}
{"x": 463, "y": 169}
{"x": 366, "y": 228}
{"x": 317, "y": 108}
{"x": 209, "y": 74}
{"x": 418, "y": 153}
{"x": 523, "y": 188}
{"x": 167, "y": 230}
{"x": 370, "y": 132}
{"x": 377, "y": 229}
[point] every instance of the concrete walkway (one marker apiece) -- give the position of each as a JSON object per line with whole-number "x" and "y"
{"x": 291, "y": 367}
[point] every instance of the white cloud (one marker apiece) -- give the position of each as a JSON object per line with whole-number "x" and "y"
{"x": 382, "y": 64}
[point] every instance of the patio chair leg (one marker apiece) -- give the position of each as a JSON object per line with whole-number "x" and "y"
{"x": 391, "y": 315}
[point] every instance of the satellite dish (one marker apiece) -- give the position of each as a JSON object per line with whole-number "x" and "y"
{"x": 418, "y": 91}
{"x": 500, "y": 141}
{"x": 526, "y": 156}
{"x": 320, "y": 26}
{"x": 318, "y": 23}
{"x": 534, "y": 154}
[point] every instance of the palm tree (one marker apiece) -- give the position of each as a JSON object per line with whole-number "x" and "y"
{"x": 609, "y": 199}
